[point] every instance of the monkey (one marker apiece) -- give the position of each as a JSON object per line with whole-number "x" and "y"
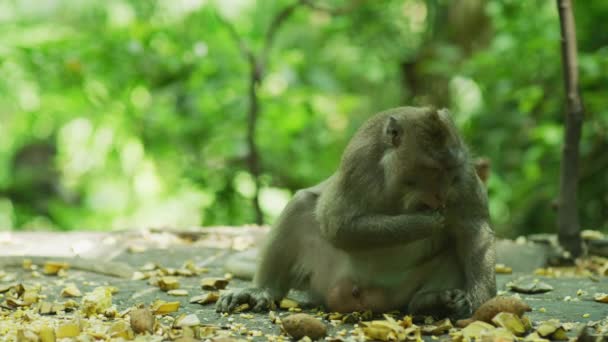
{"x": 402, "y": 224}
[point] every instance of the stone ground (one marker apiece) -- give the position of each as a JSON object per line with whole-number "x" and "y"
{"x": 570, "y": 301}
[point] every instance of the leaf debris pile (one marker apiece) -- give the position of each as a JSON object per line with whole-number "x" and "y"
{"x": 29, "y": 313}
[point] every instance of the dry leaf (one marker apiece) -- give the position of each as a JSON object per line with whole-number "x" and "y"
{"x": 530, "y": 288}
{"x": 287, "y": 304}
{"x": 492, "y": 307}
{"x": 53, "y": 267}
{"x": 601, "y": 297}
{"x": 71, "y": 291}
{"x": 214, "y": 283}
{"x": 510, "y": 322}
{"x": 178, "y": 293}
{"x": 168, "y": 283}
{"x": 97, "y": 301}
{"x": 160, "y": 307}
{"x": 437, "y": 328}
{"x": 186, "y": 321}
{"x": 70, "y": 329}
{"x": 207, "y": 298}
{"x": 503, "y": 269}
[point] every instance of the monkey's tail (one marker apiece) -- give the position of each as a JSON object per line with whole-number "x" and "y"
{"x": 243, "y": 264}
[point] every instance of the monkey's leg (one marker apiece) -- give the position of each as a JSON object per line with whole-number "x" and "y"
{"x": 441, "y": 292}
{"x": 477, "y": 257}
{"x": 279, "y": 268}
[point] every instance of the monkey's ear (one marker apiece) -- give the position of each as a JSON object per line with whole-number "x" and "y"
{"x": 439, "y": 130}
{"x": 393, "y": 132}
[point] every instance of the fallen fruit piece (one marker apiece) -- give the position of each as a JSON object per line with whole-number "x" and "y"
{"x": 142, "y": 320}
{"x": 26, "y": 335}
{"x": 530, "y": 288}
{"x": 535, "y": 337}
{"x": 437, "y": 328}
{"x": 476, "y": 329}
{"x": 287, "y": 304}
{"x": 120, "y": 329}
{"x": 498, "y": 335}
{"x": 46, "y": 334}
{"x": 45, "y": 308}
{"x": 97, "y": 301}
{"x": 389, "y": 330}
{"x": 299, "y": 325}
{"x": 241, "y": 308}
{"x": 30, "y": 297}
{"x": 552, "y": 329}
{"x": 177, "y": 292}
{"x": 71, "y": 291}
{"x": 168, "y": 283}
{"x": 190, "y": 339}
{"x": 161, "y": 307}
{"x": 53, "y": 267}
{"x": 601, "y": 297}
{"x": 503, "y": 269}
{"x": 71, "y": 329}
{"x": 492, "y": 307}
{"x": 214, "y": 283}
{"x": 186, "y": 321}
{"x": 509, "y": 321}
{"x": 207, "y": 298}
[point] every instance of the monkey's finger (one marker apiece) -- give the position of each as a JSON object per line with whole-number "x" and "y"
{"x": 260, "y": 306}
{"x": 262, "y": 303}
{"x": 446, "y": 297}
{"x": 239, "y": 298}
{"x": 221, "y": 304}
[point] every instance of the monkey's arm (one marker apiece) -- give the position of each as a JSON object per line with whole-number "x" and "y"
{"x": 383, "y": 230}
{"x": 277, "y": 271}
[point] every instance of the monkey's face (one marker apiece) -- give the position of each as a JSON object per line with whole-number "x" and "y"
{"x": 424, "y": 157}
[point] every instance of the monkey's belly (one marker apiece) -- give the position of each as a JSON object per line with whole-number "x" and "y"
{"x": 393, "y": 266}
{"x": 387, "y": 279}
{"x": 346, "y": 296}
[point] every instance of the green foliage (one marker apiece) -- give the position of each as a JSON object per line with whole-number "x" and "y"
{"x": 125, "y": 113}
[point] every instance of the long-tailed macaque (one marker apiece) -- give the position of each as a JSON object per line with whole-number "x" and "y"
{"x": 402, "y": 224}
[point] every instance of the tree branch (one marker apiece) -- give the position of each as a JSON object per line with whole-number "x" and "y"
{"x": 567, "y": 218}
{"x": 276, "y": 23}
{"x": 257, "y": 71}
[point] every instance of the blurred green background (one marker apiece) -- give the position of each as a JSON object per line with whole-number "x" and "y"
{"x": 129, "y": 113}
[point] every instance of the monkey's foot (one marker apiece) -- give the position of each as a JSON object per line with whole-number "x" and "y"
{"x": 457, "y": 303}
{"x": 258, "y": 300}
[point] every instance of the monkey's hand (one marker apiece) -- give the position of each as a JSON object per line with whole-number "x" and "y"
{"x": 457, "y": 303}
{"x": 437, "y": 222}
{"x": 259, "y": 299}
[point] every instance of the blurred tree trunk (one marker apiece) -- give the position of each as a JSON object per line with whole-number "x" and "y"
{"x": 567, "y": 217}
{"x": 460, "y": 26}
